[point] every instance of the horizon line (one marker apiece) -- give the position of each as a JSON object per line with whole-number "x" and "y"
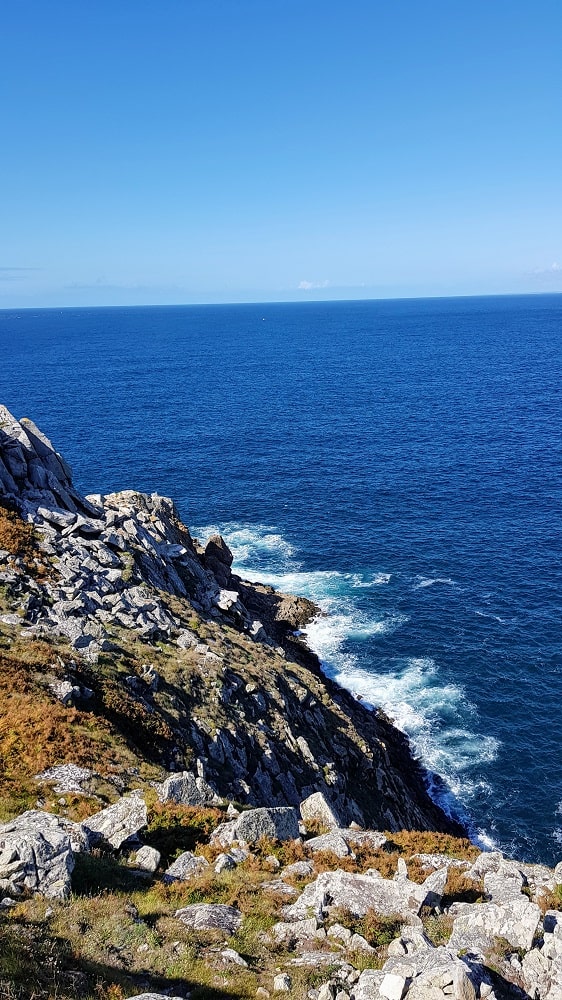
{"x": 286, "y": 302}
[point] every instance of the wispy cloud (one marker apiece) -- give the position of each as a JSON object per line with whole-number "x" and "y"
{"x": 555, "y": 268}
{"x": 20, "y": 268}
{"x": 307, "y": 286}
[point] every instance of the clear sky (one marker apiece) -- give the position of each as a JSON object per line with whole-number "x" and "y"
{"x": 156, "y": 151}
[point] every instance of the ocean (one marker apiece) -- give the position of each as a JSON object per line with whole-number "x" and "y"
{"x": 400, "y": 462}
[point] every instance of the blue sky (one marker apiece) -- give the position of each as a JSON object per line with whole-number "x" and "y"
{"x": 231, "y": 150}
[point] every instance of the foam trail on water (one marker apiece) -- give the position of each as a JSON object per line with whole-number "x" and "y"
{"x": 427, "y": 581}
{"x": 437, "y": 716}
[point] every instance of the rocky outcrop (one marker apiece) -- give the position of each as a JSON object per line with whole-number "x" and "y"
{"x": 256, "y": 715}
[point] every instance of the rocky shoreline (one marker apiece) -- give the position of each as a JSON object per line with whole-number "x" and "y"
{"x": 161, "y": 717}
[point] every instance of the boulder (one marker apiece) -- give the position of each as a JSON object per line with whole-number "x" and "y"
{"x": 279, "y": 823}
{"x": 504, "y": 885}
{"x": 154, "y": 996}
{"x": 147, "y": 859}
{"x": 185, "y": 867}
{"x": 357, "y": 893}
{"x": 367, "y": 987}
{"x": 289, "y": 933}
{"x": 36, "y": 854}
{"x": 477, "y": 926}
{"x": 119, "y": 822}
{"x": 185, "y": 789}
{"x": 316, "y": 809}
{"x": 331, "y": 841}
{"x": 299, "y": 869}
{"x": 66, "y": 777}
{"x": 204, "y": 916}
{"x": 282, "y": 983}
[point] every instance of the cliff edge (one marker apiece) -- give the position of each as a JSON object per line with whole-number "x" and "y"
{"x": 184, "y": 664}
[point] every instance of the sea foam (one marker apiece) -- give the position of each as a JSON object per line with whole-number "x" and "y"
{"x": 437, "y": 715}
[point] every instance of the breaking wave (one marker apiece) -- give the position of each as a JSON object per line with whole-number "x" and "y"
{"x": 439, "y": 719}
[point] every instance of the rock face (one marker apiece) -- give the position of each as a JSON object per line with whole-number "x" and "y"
{"x": 124, "y": 564}
{"x": 35, "y": 854}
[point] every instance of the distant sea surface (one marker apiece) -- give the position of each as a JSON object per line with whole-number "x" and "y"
{"x": 400, "y": 462}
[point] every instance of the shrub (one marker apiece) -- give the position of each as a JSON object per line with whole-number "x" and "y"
{"x": 173, "y": 829}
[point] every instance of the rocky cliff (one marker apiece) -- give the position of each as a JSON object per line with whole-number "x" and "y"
{"x": 190, "y": 809}
{"x": 183, "y": 662}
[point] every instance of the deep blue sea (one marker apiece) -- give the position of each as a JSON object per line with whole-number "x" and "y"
{"x": 398, "y": 461}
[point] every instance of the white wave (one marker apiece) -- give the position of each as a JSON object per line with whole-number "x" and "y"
{"x": 358, "y": 581}
{"x": 251, "y": 542}
{"x": 427, "y": 581}
{"x": 486, "y": 614}
{"x": 436, "y": 715}
{"x": 485, "y": 841}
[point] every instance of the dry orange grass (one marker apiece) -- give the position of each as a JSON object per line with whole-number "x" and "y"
{"x": 37, "y": 731}
{"x": 15, "y": 535}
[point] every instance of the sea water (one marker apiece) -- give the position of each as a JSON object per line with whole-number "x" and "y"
{"x": 397, "y": 461}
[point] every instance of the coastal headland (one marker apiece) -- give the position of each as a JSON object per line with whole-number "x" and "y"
{"x": 177, "y": 768}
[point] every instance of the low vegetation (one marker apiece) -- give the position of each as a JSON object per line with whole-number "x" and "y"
{"x": 117, "y": 934}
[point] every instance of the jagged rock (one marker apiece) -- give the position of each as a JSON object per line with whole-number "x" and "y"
{"x": 118, "y": 822}
{"x": 186, "y": 789}
{"x": 147, "y": 859}
{"x": 185, "y": 867}
{"x": 118, "y": 555}
{"x": 203, "y": 916}
{"x": 315, "y": 808}
{"x": 36, "y": 854}
{"x": 218, "y": 558}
